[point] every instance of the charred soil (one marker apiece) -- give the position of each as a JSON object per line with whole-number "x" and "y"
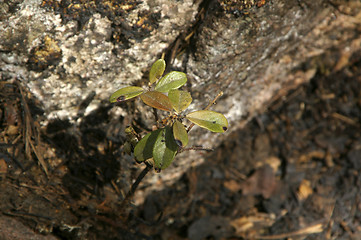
{"x": 292, "y": 172}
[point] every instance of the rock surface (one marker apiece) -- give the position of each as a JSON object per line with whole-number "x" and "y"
{"x": 254, "y": 52}
{"x": 62, "y": 51}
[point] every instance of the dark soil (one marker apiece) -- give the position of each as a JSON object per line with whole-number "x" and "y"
{"x": 292, "y": 173}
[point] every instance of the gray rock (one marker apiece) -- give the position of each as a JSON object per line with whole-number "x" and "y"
{"x": 89, "y": 55}
{"x": 254, "y": 55}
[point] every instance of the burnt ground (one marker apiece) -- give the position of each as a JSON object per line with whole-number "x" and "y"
{"x": 293, "y": 172}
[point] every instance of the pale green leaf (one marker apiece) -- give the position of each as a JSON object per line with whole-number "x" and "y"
{"x": 172, "y": 80}
{"x": 157, "y": 100}
{"x": 180, "y": 134}
{"x": 165, "y": 149}
{"x": 180, "y": 99}
{"x": 213, "y": 121}
{"x": 125, "y": 94}
{"x": 156, "y": 71}
{"x": 144, "y": 148}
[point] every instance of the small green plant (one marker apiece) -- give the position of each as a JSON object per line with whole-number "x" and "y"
{"x": 161, "y": 146}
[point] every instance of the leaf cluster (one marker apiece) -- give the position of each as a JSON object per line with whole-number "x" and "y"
{"x": 162, "y": 145}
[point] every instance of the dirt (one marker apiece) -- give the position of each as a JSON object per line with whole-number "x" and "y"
{"x": 292, "y": 173}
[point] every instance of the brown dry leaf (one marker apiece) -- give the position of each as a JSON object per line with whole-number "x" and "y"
{"x": 242, "y": 224}
{"x": 12, "y": 130}
{"x": 274, "y": 162}
{"x": 304, "y": 190}
{"x": 3, "y": 166}
{"x": 252, "y": 223}
{"x": 263, "y": 182}
{"x": 232, "y": 185}
{"x": 320, "y": 154}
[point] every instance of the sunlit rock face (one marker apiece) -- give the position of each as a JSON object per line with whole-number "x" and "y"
{"x": 64, "y": 51}
{"x": 253, "y": 51}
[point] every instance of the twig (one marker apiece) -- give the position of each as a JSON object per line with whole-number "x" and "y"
{"x": 214, "y": 100}
{"x": 135, "y": 185}
{"x": 29, "y": 132}
{"x": 196, "y": 148}
{"x": 312, "y": 229}
{"x": 155, "y": 114}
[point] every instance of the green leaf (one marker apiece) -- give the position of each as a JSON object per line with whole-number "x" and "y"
{"x": 180, "y": 134}
{"x": 180, "y": 99}
{"x": 125, "y": 94}
{"x": 172, "y": 80}
{"x": 156, "y": 71}
{"x": 164, "y": 149}
{"x": 144, "y": 148}
{"x": 157, "y": 100}
{"x": 213, "y": 121}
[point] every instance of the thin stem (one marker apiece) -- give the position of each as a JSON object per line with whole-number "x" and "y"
{"x": 131, "y": 192}
{"x": 196, "y": 148}
{"x": 214, "y": 100}
{"x": 155, "y": 114}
